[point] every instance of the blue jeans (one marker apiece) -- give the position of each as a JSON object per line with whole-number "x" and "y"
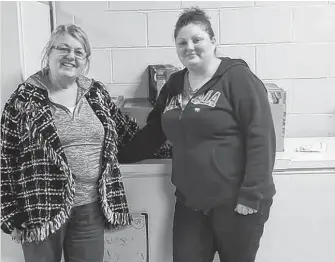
{"x": 81, "y": 238}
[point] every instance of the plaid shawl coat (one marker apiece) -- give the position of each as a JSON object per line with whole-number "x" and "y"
{"x": 37, "y": 185}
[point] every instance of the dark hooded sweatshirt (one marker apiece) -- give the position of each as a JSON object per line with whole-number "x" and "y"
{"x": 223, "y": 141}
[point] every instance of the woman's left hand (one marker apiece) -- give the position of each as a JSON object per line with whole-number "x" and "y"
{"x": 244, "y": 210}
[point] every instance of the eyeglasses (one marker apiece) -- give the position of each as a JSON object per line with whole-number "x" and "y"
{"x": 65, "y": 50}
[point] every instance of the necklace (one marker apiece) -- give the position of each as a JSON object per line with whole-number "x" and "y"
{"x": 191, "y": 91}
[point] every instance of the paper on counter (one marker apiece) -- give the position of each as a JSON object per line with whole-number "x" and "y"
{"x": 317, "y": 147}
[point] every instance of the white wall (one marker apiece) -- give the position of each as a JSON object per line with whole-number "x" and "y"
{"x": 34, "y": 17}
{"x": 10, "y": 50}
{"x": 34, "y": 30}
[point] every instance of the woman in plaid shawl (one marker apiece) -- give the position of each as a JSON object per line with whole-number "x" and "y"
{"x": 61, "y": 137}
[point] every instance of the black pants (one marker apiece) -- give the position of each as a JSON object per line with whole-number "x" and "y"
{"x": 82, "y": 239}
{"x": 198, "y": 235}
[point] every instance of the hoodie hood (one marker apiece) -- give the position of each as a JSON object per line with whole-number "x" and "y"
{"x": 227, "y": 63}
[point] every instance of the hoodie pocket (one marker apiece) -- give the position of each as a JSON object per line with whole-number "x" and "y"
{"x": 229, "y": 163}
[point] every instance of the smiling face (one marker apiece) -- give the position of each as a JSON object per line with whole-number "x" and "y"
{"x": 194, "y": 46}
{"x": 64, "y": 64}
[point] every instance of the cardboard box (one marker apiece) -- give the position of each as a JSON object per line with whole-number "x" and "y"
{"x": 277, "y": 100}
{"x": 158, "y": 76}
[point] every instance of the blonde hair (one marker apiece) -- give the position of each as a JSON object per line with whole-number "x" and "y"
{"x": 74, "y": 31}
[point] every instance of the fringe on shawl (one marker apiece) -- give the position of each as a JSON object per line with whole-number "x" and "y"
{"x": 115, "y": 219}
{"x": 42, "y": 232}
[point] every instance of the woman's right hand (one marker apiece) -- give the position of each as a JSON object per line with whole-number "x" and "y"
{"x": 16, "y": 233}
{"x": 244, "y": 210}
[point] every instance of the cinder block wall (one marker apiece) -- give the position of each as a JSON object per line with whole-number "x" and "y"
{"x": 291, "y": 44}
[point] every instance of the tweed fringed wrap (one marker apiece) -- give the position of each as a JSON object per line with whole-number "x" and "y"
{"x": 34, "y": 167}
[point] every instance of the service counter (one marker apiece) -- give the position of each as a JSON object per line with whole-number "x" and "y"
{"x": 301, "y": 227}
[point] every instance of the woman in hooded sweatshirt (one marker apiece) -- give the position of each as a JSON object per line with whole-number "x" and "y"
{"x": 217, "y": 116}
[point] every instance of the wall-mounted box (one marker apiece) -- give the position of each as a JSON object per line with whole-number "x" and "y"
{"x": 158, "y": 75}
{"x": 277, "y": 100}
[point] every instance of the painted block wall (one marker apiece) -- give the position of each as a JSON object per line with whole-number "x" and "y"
{"x": 291, "y": 44}
{"x": 288, "y": 43}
